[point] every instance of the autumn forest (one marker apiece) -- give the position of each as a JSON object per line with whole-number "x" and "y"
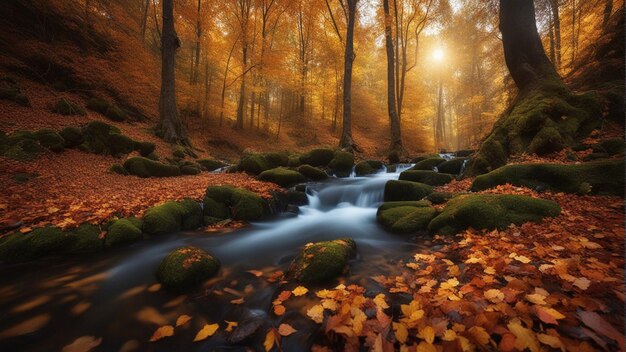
{"x": 312, "y": 175}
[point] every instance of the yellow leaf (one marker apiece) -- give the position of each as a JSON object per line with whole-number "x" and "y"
{"x": 231, "y": 325}
{"x": 524, "y": 338}
{"x": 182, "y": 320}
{"x": 427, "y": 333}
{"x": 322, "y": 293}
{"x": 163, "y": 331}
{"x": 494, "y": 295}
{"x": 206, "y": 331}
{"x": 83, "y": 344}
{"x": 316, "y": 313}
{"x": 521, "y": 258}
{"x": 270, "y": 340}
{"x": 582, "y": 283}
{"x": 358, "y": 318}
{"x": 329, "y": 304}
{"x": 286, "y": 330}
{"x": 449, "y": 335}
{"x": 299, "y": 291}
{"x": 451, "y": 283}
{"x": 536, "y": 298}
{"x": 551, "y": 341}
{"x": 401, "y": 332}
{"x": 426, "y": 347}
{"x": 490, "y": 270}
{"x": 380, "y": 301}
{"x": 479, "y": 334}
{"x": 279, "y": 309}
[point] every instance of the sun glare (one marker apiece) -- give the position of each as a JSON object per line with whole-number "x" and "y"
{"x": 438, "y": 54}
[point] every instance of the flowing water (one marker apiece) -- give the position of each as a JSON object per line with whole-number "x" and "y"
{"x": 112, "y": 295}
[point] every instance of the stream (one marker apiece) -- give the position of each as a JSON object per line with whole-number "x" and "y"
{"x": 112, "y": 295}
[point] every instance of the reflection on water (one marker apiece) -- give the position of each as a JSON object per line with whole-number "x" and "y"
{"x": 113, "y": 295}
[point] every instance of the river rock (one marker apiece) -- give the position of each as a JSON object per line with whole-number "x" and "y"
{"x": 405, "y": 217}
{"x": 282, "y": 176}
{"x": 227, "y": 202}
{"x": 322, "y": 261}
{"x": 172, "y": 217}
{"x": 123, "y": 231}
{"x": 491, "y": 211}
{"x": 406, "y": 191}
{"x": 185, "y": 268}
{"x": 428, "y": 164}
{"x": 312, "y": 173}
{"x": 318, "y": 157}
{"x": 431, "y": 178}
{"x": 367, "y": 167}
{"x": 598, "y": 177}
{"x": 342, "y": 164}
{"x": 452, "y": 167}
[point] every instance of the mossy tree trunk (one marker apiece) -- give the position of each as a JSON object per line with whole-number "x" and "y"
{"x": 395, "y": 148}
{"x": 170, "y": 126}
{"x": 346, "y": 142}
{"x": 546, "y": 116}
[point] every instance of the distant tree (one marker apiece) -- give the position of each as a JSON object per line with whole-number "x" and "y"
{"x": 170, "y": 125}
{"x": 395, "y": 148}
{"x": 346, "y": 141}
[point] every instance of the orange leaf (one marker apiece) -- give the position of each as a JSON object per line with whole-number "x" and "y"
{"x": 286, "y": 330}
{"x": 316, "y": 313}
{"x": 279, "y": 309}
{"x": 182, "y": 320}
{"x": 237, "y": 301}
{"x": 206, "y": 331}
{"x": 270, "y": 340}
{"x": 299, "y": 291}
{"x": 163, "y": 331}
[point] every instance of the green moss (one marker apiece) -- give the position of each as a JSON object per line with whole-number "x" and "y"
{"x": 72, "y": 136}
{"x": 172, "y": 217}
{"x": 282, "y": 177}
{"x": 428, "y": 164}
{"x": 122, "y": 232}
{"x": 318, "y": 157}
{"x": 547, "y": 141}
{"x": 439, "y": 197}
{"x": 253, "y": 164}
{"x": 452, "y": 167}
{"x": 405, "y": 217}
{"x": 50, "y": 139}
{"x": 423, "y": 157}
{"x": 17, "y": 248}
{"x": 210, "y": 164}
{"x": 66, "y": 107}
{"x": 275, "y": 160}
{"x": 312, "y": 172}
{"x": 342, "y": 163}
{"x": 9, "y": 90}
{"x": 23, "y": 177}
{"x": 144, "y": 167}
{"x": 185, "y": 268}
{"x": 294, "y": 161}
{"x": 491, "y": 211}
{"x": 367, "y": 167}
{"x": 145, "y": 148}
{"x": 603, "y": 177}
{"x": 107, "y": 108}
{"x": 118, "y": 169}
{"x": 190, "y": 170}
{"x": 85, "y": 238}
{"x": 21, "y": 146}
{"x": 297, "y": 198}
{"x": 120, "y": 144}
{"x": 225, "y": 202}
{"x": 614, "y": 146}
{"x": 178, "y": 151}
{"x": 406, "y": 191}
{"x": 322, "y": 261}
{"x": 428, "y": 177}
{"x": 98, "y": 138}
{"x": 33, "y": 245}
{"x": 414, "y": 204}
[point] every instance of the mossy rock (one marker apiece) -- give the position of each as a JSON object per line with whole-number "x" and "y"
{"x": 342, "y": 163}
{"x": 66, "y": 107}
{"x": 282, "y": 176}
{"x": 72, "y": 136}
{"x": 294, "y": 161}
{"x": 85, "y": 238}
{"x": 407, "y": 203}
{"x": 50, "y": 139}
{"x": 23, "y": 177}
{"x": 406, "y": 191}
{"x": 428, "y": 177}
{"x": 368, "y": 167}
{"x": 318, "y": 157}
{"x": 97, "y": 137}
{"x": 423, "y": 157}
{"x": 9, "y": 90}
{"x": 491, "y": 211}
{"x": 120, "y": 144}
{"x": 543, "y": 119}
{"x": 614, "y": 146}
{"x": 20, "y": 146}
{"x": 190, "y": 170}
{"x": 465, "y": 153}
{"x": 275, "y": 159}
{"x": 312, "y": 173}
{"x": 227, "y": 202}
{"x": 107, "y": 108}
{"x": 185, "y": 268}
{"x": 322, "y": 261}
{"x": 118, "y": 169}
{"x": 597, "y": 177}
{"x": 210, "y": 164}
{"x": 428, "y": 164}
{"x": 145, "y": 148}
{"x": 440, "y": 197}
{"x": 253, "y": 164}
{"x": 178, "y": 151}
{"x": 405, "y": 218}
{"x": 38, "y": 243}
{"x": 172, "y": 217}
{"x": 122, "y": 232}
{"x": 144, "y": 167}
{"x": 453, "y": 167}
{"x": 297, "y": 198}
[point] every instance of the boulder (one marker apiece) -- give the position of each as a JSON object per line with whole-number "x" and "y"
{"x": 107, "y": 108}
{"x": 144, "y": 167}
{"x": 318, "y": 157}
{"x": 172, "y": 217}
{"x": 491, "y": 211}
{"x": 428, "y": 177}
{"x": 185, "y": 268}
{"x": 255, "y": 163}
{"x": 122, "y": 232}
{"x": 72, "y": 136}
{"x": 85, "y": 238}
{"x": 614, "y": 146}
{"x": 428, "y": 164}
{"x": 145, "y": 148}
{"x": 66, "y": 107}
{"x": 405, "y": 217}
{"x": 210, "y": 164}
{"x": 453, "y": 167}
{"x": 439, "y": 197}
{"x": 342, "y": 163}
{"x": 312, "y": 172}
{"x": 38, "y": 243}
{"x": 282, "y": 176}
{"x": 50, "y": 139}
{"x": 322, "y": 261}
{"x": 597, "y": 177}
{"x": 367, "y": 167}
{"x": 227, "y": 202}
{"x": 406, "y": 191}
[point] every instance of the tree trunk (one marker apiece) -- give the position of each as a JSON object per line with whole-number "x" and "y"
{"x": 170, "y": 125}
{"x": 144, "y": 19}
{"x": 241, "y": 108}
{"x": 195, "y": 71}
{"x": 395, "y": 148}
{"x": 552, "y": 43}
{"x": 346, "y": 141}
{"x": 554, "y": 5}
{"x": 523, "y": 51}
{"x": 608, "y": 10}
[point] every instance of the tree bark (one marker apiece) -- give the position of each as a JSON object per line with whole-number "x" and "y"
{"x": 195, "y": 72}
{"x": 394, "y": 123}
{"x": 523, "y": 51}
{"x": 346, "y": 141}
{"x": 144, "y": 19}
{"x": 554, "y": 6}
{"x": 608, "y": 10}
{"x": 170, "y": 125}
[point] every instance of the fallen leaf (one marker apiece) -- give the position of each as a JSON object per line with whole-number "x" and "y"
{"x": 286, "y": 330}
{"x": 231, "y": 325}
{"x": 427, "y": 333}
{"x": 206, "y": 331}
{"x": 548, "y": 315}
{"x": 83, "y": 344}
{"x": 163, "y": 331}
{"x": 279, "y": 309}
{"x": 582, "y": 283}
{"x": 182, "y": 320}
{"x": 601, "y": 326}
{"x": 255, "y": 273}
{"x": 401, "y": 332}
{"x": 237, "y": 301}
{"x": 380, "y": 301}
{"x": 270, "y": 340}
{"x": 299, "y": 291}
{"x": 316, "y": 313}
